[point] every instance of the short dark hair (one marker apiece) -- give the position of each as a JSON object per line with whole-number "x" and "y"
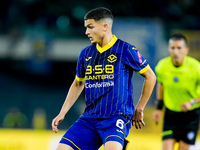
{"x": 178, "y": 36}
{"x": 99, "y": 13}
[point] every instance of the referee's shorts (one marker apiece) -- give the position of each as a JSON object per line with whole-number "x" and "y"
{"x": 181, "y": 125}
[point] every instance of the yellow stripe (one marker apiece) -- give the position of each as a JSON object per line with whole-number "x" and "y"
{"x": 114, "y": 135}
{"x": 71, "y": 142}
{"x": 143, "y": 70}
{"x": 127, "y": 122}
{"x": 80, "y": 79}
{"x": 120, "y": 131}
{"x": 107, "y": 46}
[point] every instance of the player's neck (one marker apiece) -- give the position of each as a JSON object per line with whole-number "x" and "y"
{"x": 105, "y": 40}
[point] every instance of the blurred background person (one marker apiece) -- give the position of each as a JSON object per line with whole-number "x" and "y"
{"x": 15, "y": 119}
{"x": 39, "y": 119}
{"x": 178, "y": 89}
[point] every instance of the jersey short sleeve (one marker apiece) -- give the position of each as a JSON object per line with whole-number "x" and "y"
{"x": 135, "y": 60}
{"x": 80, "y": 69}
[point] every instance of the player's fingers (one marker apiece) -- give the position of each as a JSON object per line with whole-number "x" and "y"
{"x": 143, "y": 123}
{"x": 133, "y": 121}
{"x": 54, "y": 125}
{"x": 55, "y": 129}
{"x": 136, "y": 124}
{"x": 139, "y": 124}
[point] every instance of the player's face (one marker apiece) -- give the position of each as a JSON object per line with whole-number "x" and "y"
{"x": 94, "y": 30}
{"x": 178, "y": 50}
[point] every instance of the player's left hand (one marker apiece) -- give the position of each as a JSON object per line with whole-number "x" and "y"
{"x": 137, "y": 120}
{"x": 186, "y": 106}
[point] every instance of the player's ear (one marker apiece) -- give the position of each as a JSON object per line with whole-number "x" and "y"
{"x": 105, "y": 26}
{"x": 186, "y": 50}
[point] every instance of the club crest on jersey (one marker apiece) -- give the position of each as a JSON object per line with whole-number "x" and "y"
{"x": 176, "y": 79}
{"x": 112, "y": 58}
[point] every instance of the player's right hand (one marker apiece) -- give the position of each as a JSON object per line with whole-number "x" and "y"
{"x": 55, "y": 122}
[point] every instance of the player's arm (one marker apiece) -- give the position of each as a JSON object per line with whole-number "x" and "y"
{"x": 150, "y": 80}
{"x": 159, "y": 102}
{"x": 73, "y": 94}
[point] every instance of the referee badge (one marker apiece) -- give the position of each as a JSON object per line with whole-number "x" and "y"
{"x": 190, "y": 135}
{"x": 176, "y": 79}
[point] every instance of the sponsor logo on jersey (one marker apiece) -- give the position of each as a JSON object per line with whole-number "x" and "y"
{"x": 97, "y": 77}
{"x": 98, "y": 85}
{"x": 99, "y": 72}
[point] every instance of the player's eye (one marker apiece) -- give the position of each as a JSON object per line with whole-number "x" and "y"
{"x": 89, "y": 27}
{"x": 179, "y": 47}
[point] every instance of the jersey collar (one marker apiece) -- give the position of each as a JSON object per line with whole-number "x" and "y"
{"x": 107, "y": 46}
{"x": 184, "y": 62}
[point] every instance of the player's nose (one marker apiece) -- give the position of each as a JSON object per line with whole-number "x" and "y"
{"x": 87, "y": 31}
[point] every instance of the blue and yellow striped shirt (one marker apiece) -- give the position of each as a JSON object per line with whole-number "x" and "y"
{"x": 108, "y": 74}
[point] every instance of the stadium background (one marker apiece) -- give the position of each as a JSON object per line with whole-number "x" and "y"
{"x": 39, "y": 45}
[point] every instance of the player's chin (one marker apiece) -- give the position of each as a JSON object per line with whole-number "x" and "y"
{"x": 93, "y": 42}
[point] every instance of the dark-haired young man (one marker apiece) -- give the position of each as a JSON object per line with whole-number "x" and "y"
{"x": 105, "y": 69}
{"x": 178, "y": 88}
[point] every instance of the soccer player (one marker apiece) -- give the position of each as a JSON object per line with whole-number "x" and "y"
{"x": 105, "y": 70}
{"x": 178, "y": 88}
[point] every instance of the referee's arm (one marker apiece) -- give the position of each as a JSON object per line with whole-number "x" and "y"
{"x": 159, "y": 102}
{"x": 187, "y": 105}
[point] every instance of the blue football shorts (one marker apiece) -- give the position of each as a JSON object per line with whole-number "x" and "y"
{"x": 89, "y": 133}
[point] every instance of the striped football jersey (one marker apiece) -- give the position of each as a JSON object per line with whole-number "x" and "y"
{"x": 108, "y": 75}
